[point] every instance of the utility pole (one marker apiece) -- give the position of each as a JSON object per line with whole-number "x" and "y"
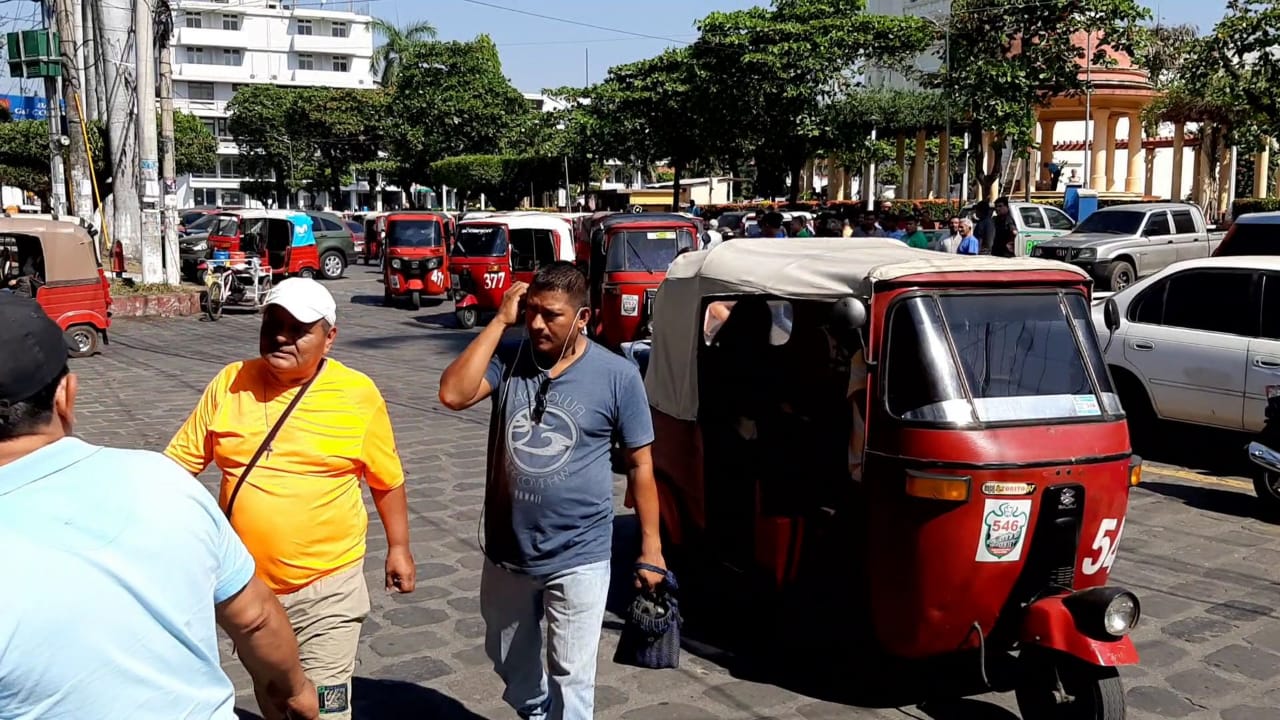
{"x": 169, "y": 175}
{"x": 115, "y": 63}
{"x": 53, "y": 94}
{"x": 148, "y": 154}
{"x": 81, "y": 182}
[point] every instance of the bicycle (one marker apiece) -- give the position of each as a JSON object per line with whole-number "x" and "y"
{"x": 228, "y": 283}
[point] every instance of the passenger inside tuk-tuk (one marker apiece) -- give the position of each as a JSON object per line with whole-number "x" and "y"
{"x": 279, "y": 235}
{"x": 23, "y": 267}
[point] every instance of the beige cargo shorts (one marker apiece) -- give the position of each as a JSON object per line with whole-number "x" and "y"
{"x": 326, "y": 616}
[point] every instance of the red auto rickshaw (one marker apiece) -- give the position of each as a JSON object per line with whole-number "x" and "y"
{"x": 942, "y": 429}
{"x": 415, "y": 262}
{"x": 268, "y": 234}
{"x": 375, "y": 226}
{"x": 493, "y": 252}
{"x": 630, "y": 253}
{"x": 58, "y": 262}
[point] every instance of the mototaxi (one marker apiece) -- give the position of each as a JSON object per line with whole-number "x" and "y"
{"x": 56, "y": 262}
{"x": 415, "y": 262}
{"x": 375, "y": 226}
{"x": 284, "y": 239}
{"x": 489, "y": 254}
{"x": 630, "y": 253}
{"x": 942, "y": 428}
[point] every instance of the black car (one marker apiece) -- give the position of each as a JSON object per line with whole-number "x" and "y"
{"x": 192, "y": 250}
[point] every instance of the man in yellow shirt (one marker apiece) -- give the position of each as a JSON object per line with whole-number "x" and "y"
{"x": 293, "y": 432}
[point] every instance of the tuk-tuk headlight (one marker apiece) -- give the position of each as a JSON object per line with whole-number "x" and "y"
{"x": 395, "y": 263}
{"x": 433, "y": 263}
{"x": 1104, "y": 613}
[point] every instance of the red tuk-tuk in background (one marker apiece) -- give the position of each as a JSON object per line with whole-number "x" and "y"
{"x": 939, "y": 432}
{"x": 269, "y": 234}
{"x": 489, "y": 254}
{"x": 375, "y": 229}
{"x": 415, "y": 262}
{"x": 630, "y": 253}
{"x": 57, "y": 261}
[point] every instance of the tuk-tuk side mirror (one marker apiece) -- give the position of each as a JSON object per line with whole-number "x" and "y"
{"x": 850, "y": 313}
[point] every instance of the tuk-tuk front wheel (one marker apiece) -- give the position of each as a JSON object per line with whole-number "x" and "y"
{"x": 1056, "y": 686}
{"x": 415, "y": 300}
{"x": 467, "y": 317}
{"x": 82, "y": 340}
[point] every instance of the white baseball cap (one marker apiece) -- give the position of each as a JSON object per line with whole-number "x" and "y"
{"x": 305, "y": 299}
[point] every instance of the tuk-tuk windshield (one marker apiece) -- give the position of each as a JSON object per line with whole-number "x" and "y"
{"x": 481, "y": 241}
{"x": 1023, "y": 357}
{"x": 225, "y": 226}
{"x": 649, "y": 250}
{"x": 413, "y": 233}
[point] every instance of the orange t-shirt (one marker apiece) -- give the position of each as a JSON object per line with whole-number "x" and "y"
{"x": 300, "y": 512}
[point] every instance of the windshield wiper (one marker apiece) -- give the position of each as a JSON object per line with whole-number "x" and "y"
{"x": 636, "y": 252}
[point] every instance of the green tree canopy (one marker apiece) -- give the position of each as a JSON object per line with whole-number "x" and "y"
{"x": 195, "y": 149}
{"x": 1007, "y": 57}
{"x": 450, "y": 99}
{"x": 385, "y": 62}
{"x": 503, "y": 179}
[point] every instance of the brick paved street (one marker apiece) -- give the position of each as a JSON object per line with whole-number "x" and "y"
{"x": 1208, "y": 572}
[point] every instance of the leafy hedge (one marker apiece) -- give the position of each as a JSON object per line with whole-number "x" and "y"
{"x": 938, "y": 210}
{"x": 504, "y": 179}
{"x": 1244, "y": 206}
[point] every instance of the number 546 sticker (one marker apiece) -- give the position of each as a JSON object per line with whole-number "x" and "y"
{"x": 1105, "y": 545}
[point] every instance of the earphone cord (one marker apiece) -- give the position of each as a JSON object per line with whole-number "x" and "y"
{"x": 499, "y": 417}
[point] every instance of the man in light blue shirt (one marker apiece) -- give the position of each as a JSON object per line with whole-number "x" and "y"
{"x": 115, "y": 566}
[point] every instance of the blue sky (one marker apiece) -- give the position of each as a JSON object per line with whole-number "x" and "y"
{"x": 539, "y": 53}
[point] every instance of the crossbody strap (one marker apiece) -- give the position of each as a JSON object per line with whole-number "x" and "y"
{"x": 266, "y": 442}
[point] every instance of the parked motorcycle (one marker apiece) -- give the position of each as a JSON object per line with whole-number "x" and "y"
{"x": 1264, "y": 451}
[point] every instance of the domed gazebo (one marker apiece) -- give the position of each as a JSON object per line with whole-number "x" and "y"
{"x": 1120, "y": 90}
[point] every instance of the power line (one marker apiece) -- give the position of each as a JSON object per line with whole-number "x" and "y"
{"x": 579, "y": 23}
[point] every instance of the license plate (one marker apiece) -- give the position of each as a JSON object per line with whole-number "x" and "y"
{"x": 395, "y": 282}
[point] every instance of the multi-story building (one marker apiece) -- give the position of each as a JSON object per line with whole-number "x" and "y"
{"x": 928, "y": 60}
{"x": 221, "y": 45}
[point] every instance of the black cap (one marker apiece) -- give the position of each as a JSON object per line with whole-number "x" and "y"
{"x": 34, "y": 350}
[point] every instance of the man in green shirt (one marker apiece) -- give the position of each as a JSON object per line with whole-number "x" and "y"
{"x": 914, "y": 236}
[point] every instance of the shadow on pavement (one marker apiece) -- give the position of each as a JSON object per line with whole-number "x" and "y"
{"x": 811, "y": 646}
{"x": 1236, "y": 503}
{"x": 964, "y": 709}
{"x": 1206, "y": 450}
{"x": 395, "y": 699}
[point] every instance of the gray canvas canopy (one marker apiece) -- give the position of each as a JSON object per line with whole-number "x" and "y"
{"x": 798, "y": 269}
{"x": 69, "y": 250}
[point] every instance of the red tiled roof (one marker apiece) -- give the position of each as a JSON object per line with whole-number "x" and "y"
{"x": 1190, "y": 141}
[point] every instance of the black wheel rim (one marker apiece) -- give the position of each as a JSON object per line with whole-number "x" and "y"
{"x": 1122, "y": 280}
{"x": 1271, "y": 481}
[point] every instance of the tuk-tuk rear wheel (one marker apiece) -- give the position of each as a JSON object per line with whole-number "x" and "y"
{"x": 82, "y": 340}
{"x": 1056, "y": 686}
{"x": 308, "y": 273}
{"x": 467, "y": 317}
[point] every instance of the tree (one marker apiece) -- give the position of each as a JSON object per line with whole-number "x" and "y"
{"x": 1245, "y": 48}
{"x": 503, "y": 179}
{"x": 1007, "y": 57}
{"x": 195, "y": 148}
{"x": 344, "y": 126}
{"x": 773, "y": 72}
{"x": 262, "y": 122}
{"x": 385, "y": 62}
{"x": 450, "y": 99}
{"x": 1166, "y": 51}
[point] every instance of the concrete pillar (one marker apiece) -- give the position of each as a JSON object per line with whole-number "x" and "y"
{"x": 900, "y": 159}
{"x": 1133, "y": 179}
{"x": 806, "y": 177}
{"x": 988, "y": 139}
{"x": 1224, "y": 178}
{"x": 1175, "y": 188}
{"x": 944, "y": 165}
{"x": 918, "y": 169}
{"x": 1149, "y": 163}
{"x": 1261, "y": 168}
{"x": 1046, "y": 148}
{"x": 1197, "y": 175}
{"x": 1113, "y": 126}
{"x": 1098, "y": 161}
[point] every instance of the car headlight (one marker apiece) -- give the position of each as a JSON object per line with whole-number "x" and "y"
{"x": 395, "y": 263}
{"x": 1086, "y": 254}
{"x": 199, "y": 247}
{"x": 1104, "y": 613}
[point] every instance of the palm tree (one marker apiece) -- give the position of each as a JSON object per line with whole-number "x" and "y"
{"x": 395, "y": 40}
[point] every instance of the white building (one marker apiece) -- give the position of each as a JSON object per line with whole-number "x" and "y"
{"x": 220, "y": 45}
{"x": 928, "y": 61}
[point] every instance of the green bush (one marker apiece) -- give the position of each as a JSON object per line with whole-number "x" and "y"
{"x": 1243, "y": 206}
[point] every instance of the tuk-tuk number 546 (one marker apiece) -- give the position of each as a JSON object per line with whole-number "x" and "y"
{"x": 1105, "y": 546}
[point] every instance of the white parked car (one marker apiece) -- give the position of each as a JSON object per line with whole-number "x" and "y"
{"x": 1198, "y": 342}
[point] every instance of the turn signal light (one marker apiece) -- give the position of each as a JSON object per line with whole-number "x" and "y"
{"x": 938, "y": 487}
{"x": 1135, "y": 471}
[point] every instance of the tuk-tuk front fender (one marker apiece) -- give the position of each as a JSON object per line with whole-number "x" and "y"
{"x": 466, "y": 301}
{"x": 1049, "y": 624}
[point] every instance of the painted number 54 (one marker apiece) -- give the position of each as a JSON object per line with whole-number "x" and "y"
{"x": 1105, "y": 546}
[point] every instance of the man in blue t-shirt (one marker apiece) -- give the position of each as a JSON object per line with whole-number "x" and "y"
{"x": 116, "y": 565}
{"x": 559, "y": 401}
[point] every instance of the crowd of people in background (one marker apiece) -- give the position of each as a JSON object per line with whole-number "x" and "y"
{"x": 991, "y": 230}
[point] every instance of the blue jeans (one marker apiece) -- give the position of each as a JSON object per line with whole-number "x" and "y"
{"x": 573, "y": 602}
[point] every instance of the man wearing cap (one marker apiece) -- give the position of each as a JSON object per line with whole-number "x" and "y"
{"x": 116, "y": 565}
{"x": 293, "y": 432}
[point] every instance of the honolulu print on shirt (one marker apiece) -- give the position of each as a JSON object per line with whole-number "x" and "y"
{"x": 538, "y": 453}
